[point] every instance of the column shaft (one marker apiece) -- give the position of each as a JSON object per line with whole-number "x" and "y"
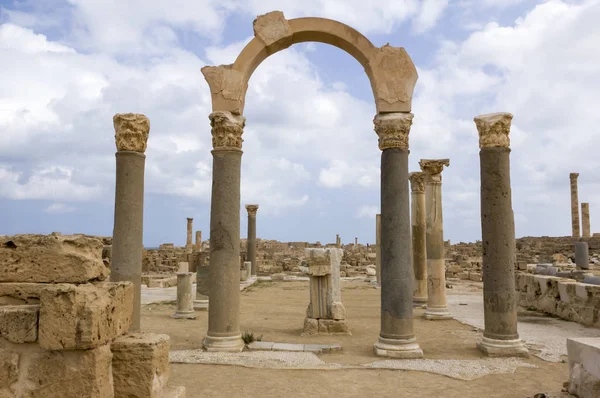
{"x": 252, "y": 242}
{"x": 224, "y": 267}
{"x": 419, "y": 230}
{"x": 378, "y": 248}
{"x": 585, "y": 220}
{"x": 574, "y": 206}
{"x": 188, "y": 241}
{"x": 127, "y": 244}
{"x": 199, "y": 241}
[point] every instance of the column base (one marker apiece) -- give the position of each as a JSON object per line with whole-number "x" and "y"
{"x": 201, "y": 305}
{"x": 403, "y": 349}
{"x": 184, "y": 315}
{"x": 436, "y": 314}
{"x": 223, "y": 344}
{"x": 503, "y": 348}
{"x": 419, "y": 300}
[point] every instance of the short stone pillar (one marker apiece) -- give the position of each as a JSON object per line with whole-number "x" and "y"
{"x": 198, "y": 246}
{"x": 185, "y": 296}
{"x": 378, "y": 248}
{"x": 190, "y": 227}
{"x": 183, "y": 266}
{"x": 131, "y": 137}
{"x": 224, "y": 267}
{"x": 419, "y": 229}
{"x": 338, "y": 241}
{"x": 574, "y": 205}
{"x": 396, "y": 337}
{"x": 252, "y": 209}
{"x": 500, "y": 337}
{"x": 585, "y": 220}
{"x": 582, "y": 256}
{"x": 437, "y": 306}
{"x": 245, "y": 271}
{"x": 325, "y": 313}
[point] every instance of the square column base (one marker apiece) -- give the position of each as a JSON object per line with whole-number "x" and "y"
{"x": 402, "y": 349}
{"x": 223, "y": 344}
{"x": 436, "y": 314}
{"x": 503, "y": 348}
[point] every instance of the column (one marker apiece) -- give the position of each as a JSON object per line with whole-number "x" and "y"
{"x": 419, "y": 229}
{"x": 198, "y": 241}
{"x": 338, "y": 241}
{"x": 252, "y": 209}
{"x": 574, "y": 205}
{"x": 396, "y": 338}
{"x": 355, "y": 243}
{"x": 500, "y": 337}
{"x": 224, "y": 267}
{"x": 188, "y": 241}
{"x": 185, "y": 298}
{"x": 131, "y": 137}
{"x": 378, "y": 248}
{"x": 437, "y": 307}
{"x": 585, "y": 220}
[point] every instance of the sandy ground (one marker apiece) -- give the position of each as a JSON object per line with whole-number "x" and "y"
{"x": 276, "y": 310}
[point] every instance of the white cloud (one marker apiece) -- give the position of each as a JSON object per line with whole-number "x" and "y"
{"x": 367, "y": 211}
{"x": 428, "y": 15}
{"x": 59, "y": 208}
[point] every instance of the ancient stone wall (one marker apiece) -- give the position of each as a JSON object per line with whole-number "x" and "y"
{"x": 58, "y": 313}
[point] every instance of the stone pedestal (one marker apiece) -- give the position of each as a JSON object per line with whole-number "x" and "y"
{"x": 325, "y": 313}
{"x": 378, "y": 248}
{"x": 252, "y": 209}
{"x": 245, "y": 271}
{"x": 224, "y": 269}
{"x": 585, "y": 220}
{"x": 500, "y": 337}
{"x": 396, "y": 338}
{"x": 574, "y": 205}
{"x": 185, "y": 296}
{"x": 183, "y": 266}
{"x": 131, "y": 136}
{"x": 190, "y": 227}
{"x": 582, "y": 257}
{"x": 419, "y": 230}
{"x": 437, "y": 306}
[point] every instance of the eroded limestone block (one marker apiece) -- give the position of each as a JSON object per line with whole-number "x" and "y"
{"x": 20, "y": 293}
{"x": 51, "y": 259}
{"x": 9, "y": 371}
{"x": 84, "y": 316}
{"x": 19, "y": 323}
{"x": 584, "y": 367}
{"x": 140, "y": 365}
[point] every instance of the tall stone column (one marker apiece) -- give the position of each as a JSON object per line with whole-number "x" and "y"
{"x": 585, "y": 220}
{"x": 131, "y": 137}
{"x": 419, "y": 230}
{"x": 188, "y": 241}
{"x": 396, "y": 338}
{"x": 437, "y": 307}
{"x": 378, "y": 248}
{"x": 252, "y": 209}
{"x": 198, "y": 241}
{"x": 224, "y": 267}
{"x": 574, "y": 205}
{"x": 500, "y": 337}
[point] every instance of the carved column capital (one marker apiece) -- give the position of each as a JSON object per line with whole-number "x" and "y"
{"x": 131, "y": 131}
{"x": 417, "y": 181}
{"x": 493, "y": 129}
{"x": 227, "y": 130}
{"x": 252, "y": 209}
{"x": 573, "y": 176}
{"x": 392, "y": 129}
{"x": 433, "y": 168}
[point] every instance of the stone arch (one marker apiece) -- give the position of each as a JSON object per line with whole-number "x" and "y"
{"x": 390, "y": 70}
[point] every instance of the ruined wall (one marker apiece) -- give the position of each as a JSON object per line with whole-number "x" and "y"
{"x": 58, "y": 313}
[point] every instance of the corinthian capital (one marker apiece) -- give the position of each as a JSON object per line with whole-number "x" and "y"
{"x": 392, "y": 129}
{"x": 252, "y": 209}
{"x": 227, "y": 130}
{"x": 573, "y": 176}
{"x": 417, "y": 181}
{"x": 493, "y": 129}
{"x": 131, "y": 131}
{"x": 433, "y": 168}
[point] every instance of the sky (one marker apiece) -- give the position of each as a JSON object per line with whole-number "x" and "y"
{"x": 310, "y": 158}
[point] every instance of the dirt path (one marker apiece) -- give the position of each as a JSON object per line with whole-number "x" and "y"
{"x": 277, "y": 310}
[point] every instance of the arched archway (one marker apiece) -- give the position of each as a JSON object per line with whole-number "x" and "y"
{"x": 393, "y": 76}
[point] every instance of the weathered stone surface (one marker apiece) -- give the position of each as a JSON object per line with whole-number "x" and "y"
{"x": 84, "y": 316}
{"x": 140, "y": 365}
{"x": 272, "y": 28}
{"x": 19, "y": 323}
{"x": 494, "y": 129}
{"x": 28, "y": 371}
{"x": 332, "y": 326}
{"x": 20, "y": 293}
{"x": 51, "y": 259}
{"x": 131, "y": 131}
{"x": 311, "y": 327}
{"x": 584, "y": 367}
